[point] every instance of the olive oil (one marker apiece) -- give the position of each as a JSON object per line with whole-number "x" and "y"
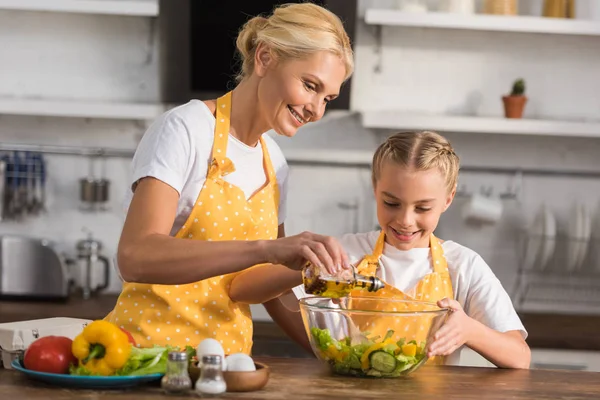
{"x": 319, "y": 283}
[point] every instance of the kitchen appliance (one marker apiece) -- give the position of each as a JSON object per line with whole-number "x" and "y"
{"x": 15, "y": 337}
{"x": 31, "y": 268}
{"x": 184, "y": 26}
{"x": 88, "y": 256}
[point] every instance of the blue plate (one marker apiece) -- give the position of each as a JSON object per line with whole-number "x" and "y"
{"x": 86, "y": 382}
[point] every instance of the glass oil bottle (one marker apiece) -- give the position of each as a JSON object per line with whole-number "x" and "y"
{"x": 318, "y": 282}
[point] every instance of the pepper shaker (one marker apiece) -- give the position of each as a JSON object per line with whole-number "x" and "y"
{"x": 177, "y": 379}
{"x": 211, "y": 382}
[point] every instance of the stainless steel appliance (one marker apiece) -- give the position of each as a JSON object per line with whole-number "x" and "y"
{"x": 88, "y": 255}
{"x": 31, "y": 268}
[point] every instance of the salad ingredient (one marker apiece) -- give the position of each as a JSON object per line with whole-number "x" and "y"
{"x": 51, "y": 354}
{"x": 129, "y": 337}
{"x": 102, "y": 348}
{"x": 209, "y": 347}
{"x": 240, "y": 362}
{"x": 376, "y": 357}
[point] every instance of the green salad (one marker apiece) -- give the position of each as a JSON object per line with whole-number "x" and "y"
{"x": 374, "y": 357}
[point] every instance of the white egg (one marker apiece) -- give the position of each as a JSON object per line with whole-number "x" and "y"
{"x": 211, "y": 347}
{"x": 240, "y": 362}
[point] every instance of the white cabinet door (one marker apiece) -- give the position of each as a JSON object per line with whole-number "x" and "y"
{"x": 565, "y": 359}
{"x": 543, "y": 359}
{"x": 328, "y": 200}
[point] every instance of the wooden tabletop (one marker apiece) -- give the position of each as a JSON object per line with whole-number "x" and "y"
{"x": 551, "y": 331}
{"x": 310, "y": 379}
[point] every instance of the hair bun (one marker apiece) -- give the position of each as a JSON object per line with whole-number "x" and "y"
{"x": 246, "y": 40}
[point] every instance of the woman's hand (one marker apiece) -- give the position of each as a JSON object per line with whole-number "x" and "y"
{"x": 295, "y": 251}
{"x": 454, "y": 333}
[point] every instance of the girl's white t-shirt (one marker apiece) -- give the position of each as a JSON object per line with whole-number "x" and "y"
{"x": 176, "y": 149}
{"x": 475, "y": 286}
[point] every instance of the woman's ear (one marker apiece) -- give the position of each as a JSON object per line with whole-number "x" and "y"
{"x": 263, "y": 59}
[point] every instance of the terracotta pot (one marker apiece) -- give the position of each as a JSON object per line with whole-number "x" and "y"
{"x": 514, "y": 105}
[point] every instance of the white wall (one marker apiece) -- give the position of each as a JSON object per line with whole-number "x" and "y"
{"x": 111, "y": 58}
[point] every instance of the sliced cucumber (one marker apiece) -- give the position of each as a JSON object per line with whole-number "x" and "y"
{"x": 382, "y": 361}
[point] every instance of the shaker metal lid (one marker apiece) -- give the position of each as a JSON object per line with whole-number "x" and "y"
{"x": 214, "y": 359}
{"x": 177, "y": 356}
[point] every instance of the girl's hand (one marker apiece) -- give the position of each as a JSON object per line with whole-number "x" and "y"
{"x": 295, "y": 251}
{"x": 454, "y": 333}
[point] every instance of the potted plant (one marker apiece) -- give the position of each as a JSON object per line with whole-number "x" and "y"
{"x": 514, "y": 103}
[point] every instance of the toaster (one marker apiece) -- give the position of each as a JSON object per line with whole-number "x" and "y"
{"x": 31, "y": 269}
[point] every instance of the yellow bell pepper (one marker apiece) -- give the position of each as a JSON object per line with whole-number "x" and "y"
{"x": 409, "y": 350}
{"x": 102, "y": 348}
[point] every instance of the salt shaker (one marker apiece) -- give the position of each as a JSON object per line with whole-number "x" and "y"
{"x": 177, "y": 379}
{"x": 211, "y": 382}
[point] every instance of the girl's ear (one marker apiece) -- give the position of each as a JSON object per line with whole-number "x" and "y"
{"x": 449, "y": 198}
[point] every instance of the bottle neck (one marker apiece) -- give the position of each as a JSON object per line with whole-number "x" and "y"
{"x": 370, "y": 283}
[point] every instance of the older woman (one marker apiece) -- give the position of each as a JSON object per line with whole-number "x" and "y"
{"x": 209, "y": 187}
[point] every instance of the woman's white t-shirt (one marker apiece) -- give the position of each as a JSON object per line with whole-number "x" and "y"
{"x": 176, "y": 149}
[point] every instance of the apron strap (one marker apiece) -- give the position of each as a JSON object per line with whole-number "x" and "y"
{"x": 437, "y": 255}
{"x": 368, "y": 265}
{"x": 219, "y": 164}
{"x": 223, "y": 120}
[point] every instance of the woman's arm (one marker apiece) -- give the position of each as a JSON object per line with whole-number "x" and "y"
{"x": 148, "y": 254}
{"x": 264, "y": 282}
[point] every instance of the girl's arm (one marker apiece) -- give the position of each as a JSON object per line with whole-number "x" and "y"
{"x": 269, "y": 284}
{"x": 503, "y": 349}
{"x": 290, "y": 322}
{"x": 148, "y": 254}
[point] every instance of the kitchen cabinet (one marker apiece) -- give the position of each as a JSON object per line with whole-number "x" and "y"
{"x": 573, "y": 360}
{"x": 329, "y": 200}
{"x": 565, "y": 359}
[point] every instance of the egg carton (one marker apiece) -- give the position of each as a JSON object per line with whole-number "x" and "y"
{"x": 15, "y": 337}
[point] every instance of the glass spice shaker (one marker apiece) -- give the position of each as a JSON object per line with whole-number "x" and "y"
{"x": 211, "y": 382}
{"x": 177, "y": 379}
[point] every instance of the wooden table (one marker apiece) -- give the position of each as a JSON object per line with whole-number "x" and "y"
{"x": 550, "y": 331}
{"x": 308, "y": 379}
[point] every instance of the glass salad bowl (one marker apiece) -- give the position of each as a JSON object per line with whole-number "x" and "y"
{"x": 371, "y": 336}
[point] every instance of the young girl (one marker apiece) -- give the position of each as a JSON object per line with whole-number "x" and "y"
{"x": 414, "y": 178}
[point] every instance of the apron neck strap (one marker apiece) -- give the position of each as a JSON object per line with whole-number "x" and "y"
{"x": 223, "y": 121}
{"x": 368, "y": 265}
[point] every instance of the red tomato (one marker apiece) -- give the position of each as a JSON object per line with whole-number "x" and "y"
{"x": 50, "y": 354}
{"x": 130, "y": 337}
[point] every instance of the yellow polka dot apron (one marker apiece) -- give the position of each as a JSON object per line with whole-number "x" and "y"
{"x": 431, "y": 288}
{"x": 181, "y": 315}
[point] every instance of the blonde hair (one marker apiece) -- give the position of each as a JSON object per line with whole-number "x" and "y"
{"x": 419, "y": 151}
{"x": 294, "y": 31}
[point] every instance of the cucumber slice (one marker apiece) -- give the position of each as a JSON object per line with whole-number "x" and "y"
{"x": 382, "y": 361}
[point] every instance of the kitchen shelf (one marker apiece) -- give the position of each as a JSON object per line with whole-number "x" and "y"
{"x": 480, "y": 22}
{"x": 467, "y": 124}
{"x": 80, "y": 109}
{"x": 140, "y": 8}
